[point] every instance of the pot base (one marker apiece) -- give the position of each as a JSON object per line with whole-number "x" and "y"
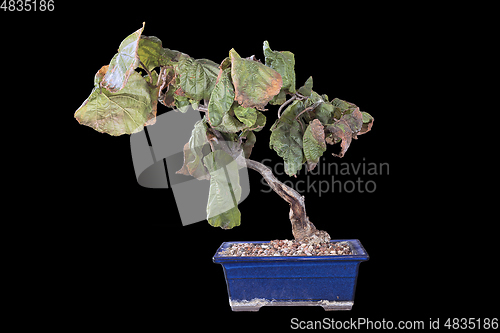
{"x": 254, "y": 305}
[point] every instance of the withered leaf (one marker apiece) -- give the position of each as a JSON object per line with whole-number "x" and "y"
{"x": 225, "y": 190}
{"x": 151, "y": 53}
{"x": 286, "y": 138}
{"x": 306, "y": 89}
{"x": 367, "y": 123}
{"x": 354, "y": 120}
{"x": 314, "y": 143}
{"x": 222, "y": 98}
{"x": 124, "y": 112}
{"x": 339, "y": 131}
{"x": 352, "y": 123}
{"x": 249, "y": 143}
{"x": 284, "y": 63}
{"x": 123, "y": 63}
{"x": 247, "y": 116}
{"x": 197, "y": 77}
{"x": 193, "y": 153}
{"x": 255, "y": 84}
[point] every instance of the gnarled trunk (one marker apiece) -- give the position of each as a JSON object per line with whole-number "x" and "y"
{"x": 302, "y": 228}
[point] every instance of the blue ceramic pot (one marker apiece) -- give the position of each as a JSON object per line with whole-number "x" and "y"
{"x": 327, "y": 281}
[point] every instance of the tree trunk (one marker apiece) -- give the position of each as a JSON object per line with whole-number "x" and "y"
{"x": 302, "y": 228}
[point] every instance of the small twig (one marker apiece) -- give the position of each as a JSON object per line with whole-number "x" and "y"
{"x": 312, "y": 107}
{"x": 162, "y": 77}
{"x": 284, "y": 104}
{"x": 300, "y": 123}
{"x": 301, "y": 112}
{"x": 297, "y": 96}
{"x": 300, "y": 96}
{"x": 202, "y": 108}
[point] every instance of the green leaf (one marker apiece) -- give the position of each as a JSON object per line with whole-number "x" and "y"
{"x": 174, "y": 55}
{"x": 259, "y": 123}
{"x": 123, "y": 112}
{"x": 249, "y": 142}
{"x": 193, "y": 152}
{"x": 225, "y": 190}
{"x": 286, "y": 138}
{"x": 278, "y": 99}
{"x": 243, "y": 119}
{"x": 367, "y": 123}
{"x": 284, "y": 63}
{"x": 230, "y": 124}
{"x": 221, "y": 99}
{"x": 314, "y": 143}
{"x": 340, "y": 107}
{"x": 255, "y": 84}
{"x": 226, "y": 220}
{"x": 123, "y": 63}
{"x": 247, "y": 116}
{"x": 151, "y": 53}
{"x": 324, "y": 113}
{"x": 306, "y": 89}
{"x": 197, "y": 77}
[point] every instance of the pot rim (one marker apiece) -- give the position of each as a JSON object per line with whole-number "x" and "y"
{"x": 359, "y": 254}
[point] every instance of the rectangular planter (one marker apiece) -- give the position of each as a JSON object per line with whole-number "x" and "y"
{"x": 327, "y": 281}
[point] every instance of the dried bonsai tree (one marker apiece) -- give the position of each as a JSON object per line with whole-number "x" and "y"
{"x": 233, "y": 96}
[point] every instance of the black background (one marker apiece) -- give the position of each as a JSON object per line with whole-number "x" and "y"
{"x": 105, "y": 250}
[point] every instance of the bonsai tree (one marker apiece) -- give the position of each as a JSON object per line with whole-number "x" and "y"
{"x": 233, "y": 95}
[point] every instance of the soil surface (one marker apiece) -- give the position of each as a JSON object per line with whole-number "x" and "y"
{"x": 286, "y": 248}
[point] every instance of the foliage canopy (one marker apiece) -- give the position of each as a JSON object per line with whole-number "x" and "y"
{"x": 233, "y": 95}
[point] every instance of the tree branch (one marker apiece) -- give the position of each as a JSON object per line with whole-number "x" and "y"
{"x": 312, "y": 107}
{"x": 285, "y": 104}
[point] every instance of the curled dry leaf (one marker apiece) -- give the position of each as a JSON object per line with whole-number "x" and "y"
{"x": 340, "y": 131}
{"x": 367, "y": 123}
{"x": 351, "y": 124}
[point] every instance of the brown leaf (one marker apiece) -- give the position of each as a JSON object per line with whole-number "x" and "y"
{"x": 340, "y": 131}
{"x": 317, "y": 130}
{"x": 355, "y": 121}
{"x": 167, "y": 96}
